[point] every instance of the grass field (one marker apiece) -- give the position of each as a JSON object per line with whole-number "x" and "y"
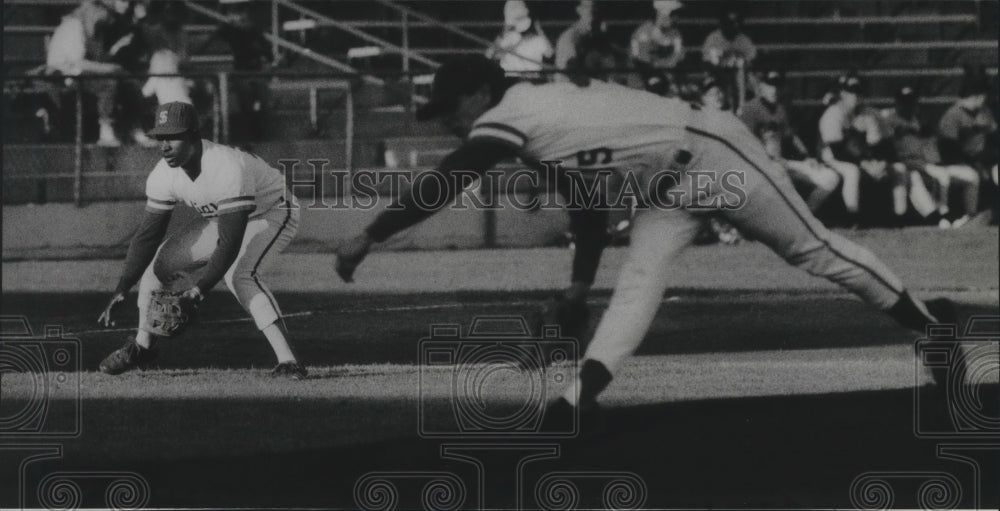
{"x": 756, "y": 393}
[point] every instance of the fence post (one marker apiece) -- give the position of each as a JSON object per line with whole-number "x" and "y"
{"x": 224, "y": 106}
{"x": 406, "y": 42}
{"x": 78, "y": 148}
{"x": 406, "y": 70}
{"x": 349, "y": 128}
{"x": 275, "y": 50}
{"x": 216, "y": 115}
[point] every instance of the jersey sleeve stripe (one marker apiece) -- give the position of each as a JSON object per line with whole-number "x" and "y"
{"x": 156, "y": 210}
{"x": 158, "y": 205}
{"x": 244, "y": 198}
{"x": 238, "y": 206}
{"x": 160, "y": 201}
{"x": 499, "y": 134}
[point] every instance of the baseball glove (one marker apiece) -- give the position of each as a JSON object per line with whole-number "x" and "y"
{"x": 169, "y": 313}
{"x": 572, "y": 318}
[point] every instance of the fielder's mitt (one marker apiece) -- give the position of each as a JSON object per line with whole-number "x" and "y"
{"x": 169, "y": 313}
{"x": 572, "y": 318}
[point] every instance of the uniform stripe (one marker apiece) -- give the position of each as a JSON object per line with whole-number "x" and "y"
{"x": 158, "y": 206}
{"x": 253, "y": 272}
{"x": 499, "y": 131}
{"x": 238, "y": 206}
{"x": 158, "y": 211}
{"x": 245, "y": 198}
{"x": 164, "y": 202}
{"x": 788, "y": 203}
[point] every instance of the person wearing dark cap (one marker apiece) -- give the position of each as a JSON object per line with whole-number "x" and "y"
{"x": 730, "y": 53}
{"x": 246, "y": 217}
{"x": 845, "y": 137}
{"x": 967, "y": 133}
{"x": 911, "y": 146}
{"x": 712, "y": 96}
{"x": 661, "y": 145}
{"x": 767, "y": 118}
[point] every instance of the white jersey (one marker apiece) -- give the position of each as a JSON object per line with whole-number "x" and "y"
{"x": 230, "y": 180}
{"x": 600, "y": 126}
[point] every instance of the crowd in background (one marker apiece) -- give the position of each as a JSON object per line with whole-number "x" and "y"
{"x": 902, "y": 165}
{"x": 942, "y": 172}
{"x": 131, "y": 39}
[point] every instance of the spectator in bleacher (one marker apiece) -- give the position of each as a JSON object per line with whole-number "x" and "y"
{"x": 730, "y": 53}
{"x": 852, "y": 143}
{"x": 712, "y": 97}
{"x": 522, "y": 47}
{"x": 658, "y": 46}
{"x": 767, "y": 118}
{"x": 81, "y": 45}
{"x": 164, "y": 34}
{"x": 967, "y": 134}
{"x": 566, "y": 44}
{"x": 913, "y": 156}
{"x": 251, "y": 54}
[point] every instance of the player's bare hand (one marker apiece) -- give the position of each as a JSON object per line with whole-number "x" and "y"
{"x": 350, "y": 254}
{"x": 105, "y": 319}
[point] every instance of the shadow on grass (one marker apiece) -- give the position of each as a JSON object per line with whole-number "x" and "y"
{"x": 787, "y": 452}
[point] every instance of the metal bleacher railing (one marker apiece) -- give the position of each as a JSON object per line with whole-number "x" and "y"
{"x": 397, "y": 31}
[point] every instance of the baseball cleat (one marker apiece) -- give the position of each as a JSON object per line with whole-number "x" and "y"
{"x": 586, "y": 420}
{"x": 946, "y": 313}
{"x": 129, "y": 356}
{"x": 291, "y": 370}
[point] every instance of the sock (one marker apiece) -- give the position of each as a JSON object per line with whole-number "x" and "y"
{"x": 594, "y": 377}
{"x": 143, "y": 339}
{"x": 910, "y": 313}
{"x": 278, "y": 343}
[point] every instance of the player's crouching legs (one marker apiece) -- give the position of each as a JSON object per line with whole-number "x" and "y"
{"x": 264, "y": 239}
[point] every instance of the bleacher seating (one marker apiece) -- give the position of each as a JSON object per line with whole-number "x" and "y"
{"x": 890, "y": 41}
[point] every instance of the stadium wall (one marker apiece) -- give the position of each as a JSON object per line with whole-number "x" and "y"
{"x": 53, "y": 231}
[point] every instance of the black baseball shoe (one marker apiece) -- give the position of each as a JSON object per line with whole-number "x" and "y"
{"x": 581, "y": 422}
{"x": 946, "y": 313}
{"x": 129, "y": 356}
{"x": 291, "y": 370}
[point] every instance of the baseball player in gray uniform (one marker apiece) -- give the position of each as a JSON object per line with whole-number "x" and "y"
{"x": 645, "y": 137}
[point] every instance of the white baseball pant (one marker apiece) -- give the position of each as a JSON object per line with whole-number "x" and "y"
{"x": 184, "y": 255}
{"x": 773, "y": 213}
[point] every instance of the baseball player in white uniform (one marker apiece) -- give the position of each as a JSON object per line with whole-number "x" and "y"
{"x": 607, "y": 126}
{"x": 246, "y": 218}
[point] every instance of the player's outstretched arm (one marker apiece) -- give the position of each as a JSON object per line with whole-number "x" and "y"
{"x": 232, "y": 227}
{"x": 478, "y": 155}
{"x": 152, "y": 229}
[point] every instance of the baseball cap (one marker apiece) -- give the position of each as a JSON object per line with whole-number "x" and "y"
{"x": 850, "y": 83}
{"x": 174, "y": 118}
{"x": 772, "y": 77}
{"x": 707, "y": 83}
{"x": 460, "y": 76}
{"x": 974, "y": 82}
{"x": 906, "y": 94}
